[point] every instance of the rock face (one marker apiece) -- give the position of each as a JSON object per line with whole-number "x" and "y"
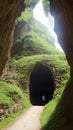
{"x": 63, "y": 14}
{"x": 8, "y": 12}
{"x": 62, "y": 10}
{"x": 5, "y": 110}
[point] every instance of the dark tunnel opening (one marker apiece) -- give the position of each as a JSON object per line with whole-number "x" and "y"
{"x": 41, "y": 85}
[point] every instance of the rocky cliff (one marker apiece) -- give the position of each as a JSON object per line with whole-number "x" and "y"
{"x": 63, "y": 24}
{"x": 62, "y": 10}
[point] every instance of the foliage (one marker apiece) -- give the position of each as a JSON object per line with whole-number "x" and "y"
{"x": 33, "y": 38}
{"x": 56, "y": 112}
{"x": 25, "y": 65}
{"x": 55, "y": 117}
{"x": 49, "y": 108}
{"x": 55, "y": 108}
{"x": 43, "y": 32}
{"x": 6, "y": 98}
{"x": 9, "y": 95}
{"x": 32, "y": 44}
{"x": 25, "y": 15}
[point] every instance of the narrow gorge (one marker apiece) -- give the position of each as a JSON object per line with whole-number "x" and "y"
{"x": 26, "y": 43}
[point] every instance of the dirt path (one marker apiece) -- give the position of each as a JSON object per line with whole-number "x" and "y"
{"x": 30, "y": 120}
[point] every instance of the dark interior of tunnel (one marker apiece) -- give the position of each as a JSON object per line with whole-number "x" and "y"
{"x": 41, "y": 85}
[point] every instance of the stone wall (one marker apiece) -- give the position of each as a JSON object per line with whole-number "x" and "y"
{"x": 5, "y": 110}
{"x": 62, "y": 10}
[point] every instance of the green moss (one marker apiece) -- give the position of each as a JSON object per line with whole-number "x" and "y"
{"x": 55, "y": 117}
{"x": 9, "y": 95}
{"x": 25, "y": 65}
{"x": 25, "y": 15}
{"x": 49, "y": 108}
{"x": 35, "y": 39}
{"x": 32, "y": 44}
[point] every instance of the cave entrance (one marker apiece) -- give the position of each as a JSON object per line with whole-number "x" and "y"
{"x": 41, "y": 85}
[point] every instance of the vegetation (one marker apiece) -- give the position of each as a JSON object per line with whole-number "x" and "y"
{"x": 55, "y": 118}
{"x": 10, "y": 95}
{"x": 54, "y": 108}
{"x": 49, "y": 108}
{"x": 10, "y": 118}
{"x": 25, "y": 65}
{"x": 32, "y": 44}
{"x": 25, "y": 16}
{"x": 32, "y": 38}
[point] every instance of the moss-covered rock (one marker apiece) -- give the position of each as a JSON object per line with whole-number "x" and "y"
{"x": 21, "y": 69}
{"x": 31, "y": 37}
{"x": 12, "y": 100}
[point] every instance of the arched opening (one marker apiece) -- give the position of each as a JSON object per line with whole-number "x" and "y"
{"x": 41, "y": 85}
